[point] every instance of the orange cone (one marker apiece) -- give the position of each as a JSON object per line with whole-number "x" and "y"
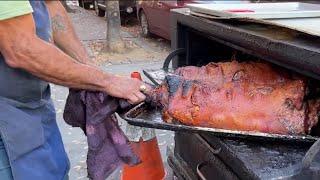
{"x": 151, "y": 166}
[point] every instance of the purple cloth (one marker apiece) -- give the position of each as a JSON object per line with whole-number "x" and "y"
{"x": 108, "y": 146}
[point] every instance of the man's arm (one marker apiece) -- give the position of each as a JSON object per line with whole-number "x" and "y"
{"x": 64, "y": 35}
{"x": 21, "y": 48}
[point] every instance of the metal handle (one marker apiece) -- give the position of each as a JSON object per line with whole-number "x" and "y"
{"x": 170, "y": 57}
{"x": 199, "y": 166}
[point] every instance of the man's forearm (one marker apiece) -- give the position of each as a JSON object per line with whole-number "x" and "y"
{"x": 22, "y": 48}
{"x": 49, "y": 63}
{"x": 64, "y": 35}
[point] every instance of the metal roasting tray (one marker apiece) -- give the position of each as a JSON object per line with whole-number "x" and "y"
{"x": 144, "y": 116}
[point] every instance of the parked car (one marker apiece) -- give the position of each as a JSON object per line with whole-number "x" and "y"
{"x": 154, "y": 15}
{"x": 126, "y": 7}
{"x": 85, "y": 3}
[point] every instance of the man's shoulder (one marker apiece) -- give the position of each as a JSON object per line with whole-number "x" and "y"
{"x": 10, "y": 9}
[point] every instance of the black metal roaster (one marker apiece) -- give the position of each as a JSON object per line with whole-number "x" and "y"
{"x": 212, "y": 154}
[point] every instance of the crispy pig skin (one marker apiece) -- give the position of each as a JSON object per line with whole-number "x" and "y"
{"x": 249, "y": 96}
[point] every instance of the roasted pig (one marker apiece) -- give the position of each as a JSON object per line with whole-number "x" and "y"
{"x": 248, "y": 96}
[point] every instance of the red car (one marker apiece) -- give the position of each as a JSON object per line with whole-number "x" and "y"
{"x": 154, "y": 15}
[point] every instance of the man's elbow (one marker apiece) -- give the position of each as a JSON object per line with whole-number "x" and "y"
{"x": 14, "y": 59}
{"x": 18, "y": 55}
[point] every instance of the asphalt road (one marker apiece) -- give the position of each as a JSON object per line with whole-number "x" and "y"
{"x": 74, "y": 140}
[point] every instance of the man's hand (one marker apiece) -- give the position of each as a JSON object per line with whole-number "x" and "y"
{"x": 126, "y": 88}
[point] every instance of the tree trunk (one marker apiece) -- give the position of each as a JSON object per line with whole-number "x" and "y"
{"x": 114, "y": 40}
{"x": 68, "y": 9}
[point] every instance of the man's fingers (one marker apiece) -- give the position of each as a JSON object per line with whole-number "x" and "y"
{"x": 148, "y": 88}
{"x": 136, "y": 98}
{"x": 141, "y": 96}
{"x": 133, "y": 99}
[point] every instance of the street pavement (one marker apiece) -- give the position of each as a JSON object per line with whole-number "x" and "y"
{"x": 89, "y": 28}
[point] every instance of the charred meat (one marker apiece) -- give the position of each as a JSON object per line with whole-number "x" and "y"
{"x": 248, "y": 96}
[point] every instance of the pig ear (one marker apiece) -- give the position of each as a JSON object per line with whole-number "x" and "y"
{"x": 173, "y": 82}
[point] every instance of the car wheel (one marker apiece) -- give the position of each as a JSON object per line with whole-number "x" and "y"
{"x": 80, "y": 3}
{"x": 99, "y": 12}
{"x": 86, "y": 5}
{"x": 145, "y": 32}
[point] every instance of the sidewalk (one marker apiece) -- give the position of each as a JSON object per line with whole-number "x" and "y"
{"x": 92, "y": 31}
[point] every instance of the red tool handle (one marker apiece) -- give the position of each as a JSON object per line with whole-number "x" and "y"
{"x": 136, "y": 75}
